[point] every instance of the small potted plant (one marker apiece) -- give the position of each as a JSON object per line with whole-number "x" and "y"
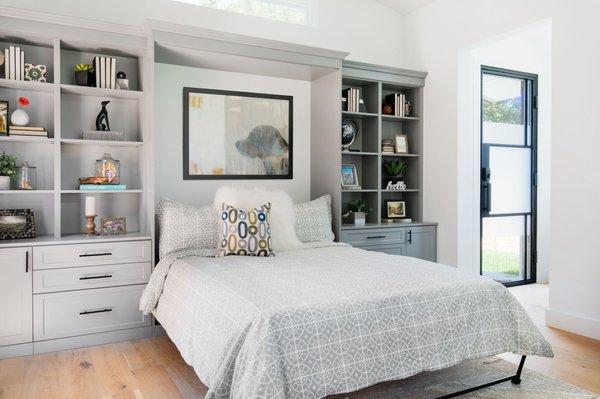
{"x": 82, "y": 74}
{"x": 394, "y": 169}
{"x": 357, "y": 211}
{"x": 8, "y": 166}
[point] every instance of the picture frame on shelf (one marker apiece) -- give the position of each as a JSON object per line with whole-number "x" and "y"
{"x": 350, "y": 177}
{"x": 111, "y": 226}
{"x": 401, "y": 144}
{"x": 17, "y": 224}
{"x": 395, "y": 209}
{"x": 4, "y": 115}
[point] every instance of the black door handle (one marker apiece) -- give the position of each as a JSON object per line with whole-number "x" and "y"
{"x": 26, "y": 261}
{"x": 374, "y": 237}
{"x": 100, "y": 254}
{"x": 95, "y": 277}
{"x": 84, "y": 312}
{"x": 410, "y": 236}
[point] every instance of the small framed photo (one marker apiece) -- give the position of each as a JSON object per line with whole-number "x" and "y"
{"x": 350, "y": 177}
{"x": 401, "y": 142}
{"x": 16, "y": 223}
{"x": 113, "y": 226}
{"x": 3, "y": 118}
{"x": 395, "y": 209}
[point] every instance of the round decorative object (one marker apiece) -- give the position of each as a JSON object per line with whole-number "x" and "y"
{"x": 121, "y": 75}
{"x": 19, "y": 117}
{"x": 387, "y": 110}
{"x": 349, "y": 133}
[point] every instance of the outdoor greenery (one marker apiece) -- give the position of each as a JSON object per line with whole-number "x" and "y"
{"x": 358, "y": 206}
{"x": 394, "y": 168}
{"x": 8, "y": 164}
{"x": 508, "y": 111}
{"x": 501, "y": 262}
{"x": 260, "y": 8}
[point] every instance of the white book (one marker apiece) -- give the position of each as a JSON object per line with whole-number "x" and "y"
{"x": 402, "y": 105}
{"x": 12, "y": 62}
{"x": 17, "y": 63}
{"x": 102, "y": 72}
{"x": 113, "y": 73}
{"x": 97, "y": 71}
{"x": 6, "y": 64}
{"x": 22, "y": 65}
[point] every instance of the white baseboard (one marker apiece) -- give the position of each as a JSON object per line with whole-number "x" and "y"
{"x": 573, "y": 323}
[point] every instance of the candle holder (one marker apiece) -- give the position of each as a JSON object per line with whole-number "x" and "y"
{"x": 90, "y": 225}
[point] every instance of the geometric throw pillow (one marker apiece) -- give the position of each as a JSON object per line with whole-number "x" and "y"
{"x": 183, "y": 226}
{"x": 313, "y": 220}
{"x": 246, "y": 233}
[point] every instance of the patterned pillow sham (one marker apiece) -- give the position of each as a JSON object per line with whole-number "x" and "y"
{"x": 313, "y": 220}
{"x": 246, "y": 233}
{"x": 183, "y": 226}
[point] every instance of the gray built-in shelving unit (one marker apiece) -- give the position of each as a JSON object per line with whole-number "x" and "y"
{"x": 374, "y": 83}
{"x": 66, "y": 110}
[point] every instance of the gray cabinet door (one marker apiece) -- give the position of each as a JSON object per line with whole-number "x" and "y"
{"x": 16, "y": 295}
{"x": 421, "y": 242}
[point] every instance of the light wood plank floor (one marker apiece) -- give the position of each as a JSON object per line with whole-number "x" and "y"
{"x": 152, "y": 368}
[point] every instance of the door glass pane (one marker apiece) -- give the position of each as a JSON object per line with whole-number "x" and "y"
{"x": 502, "y": 108}
{"x": 504, "y": 246}
{"x": 510, "y": 179}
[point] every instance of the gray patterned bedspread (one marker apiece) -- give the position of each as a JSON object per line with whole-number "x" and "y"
{"x": 314, "y": 322}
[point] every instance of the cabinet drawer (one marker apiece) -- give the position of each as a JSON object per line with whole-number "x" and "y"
{"x": 373, "y": 236}
{"x": 68, "y": 314}
{"x": 101, "y": 253}
{"x": 77, "y": 278}
{"x": 392, "y": 249}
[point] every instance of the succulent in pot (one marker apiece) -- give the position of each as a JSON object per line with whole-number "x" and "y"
{"x": 357, "y": 211}
{"x": 8, "y": 166}
{"x": 82, "y": 74}
{"x": 394, "y": 169}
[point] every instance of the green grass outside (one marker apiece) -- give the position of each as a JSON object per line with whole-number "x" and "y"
{"x": 501, "y": 262}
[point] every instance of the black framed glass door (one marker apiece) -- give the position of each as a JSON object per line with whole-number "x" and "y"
{"x": 508, "y": 175}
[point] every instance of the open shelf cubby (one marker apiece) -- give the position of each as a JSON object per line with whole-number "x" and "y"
{"x": 66, "y": 110}
{"x": 373, "y": 126}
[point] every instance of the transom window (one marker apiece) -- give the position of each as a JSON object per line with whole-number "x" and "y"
{"x": 301, "y": 12}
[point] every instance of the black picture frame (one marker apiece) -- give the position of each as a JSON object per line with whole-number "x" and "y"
{"x": 4, "y": 132}
{"x": 27, "y": 230}
{"x": 186, "y": 135}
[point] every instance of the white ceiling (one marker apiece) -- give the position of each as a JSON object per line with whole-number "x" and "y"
{"x": 405, "y": 6}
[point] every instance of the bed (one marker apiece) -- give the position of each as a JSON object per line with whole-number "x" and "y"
{"x": 328, "y": 319}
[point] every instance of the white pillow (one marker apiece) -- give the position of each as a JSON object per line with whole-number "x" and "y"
{"x": 183, "y": 226}
{"x": 283, "y": 233}
{"x": 313, "y": 220}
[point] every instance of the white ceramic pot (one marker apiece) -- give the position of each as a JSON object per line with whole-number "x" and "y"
{"x": 4, "y": 183}
{"x": 19, "y": 117}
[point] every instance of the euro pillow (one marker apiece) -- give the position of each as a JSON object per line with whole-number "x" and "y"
{"x": 184, "y": 226}
{"x": 282, "y": 211}
{"x": 313, "y": 220}
{"x": 245, "y": 232}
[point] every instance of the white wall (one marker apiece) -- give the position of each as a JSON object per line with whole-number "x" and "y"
{"x": 368, "y": 30}
{"x": 436, "y": 36}
{"x": 169, "y": 82}
{"x": 526, "y": 50}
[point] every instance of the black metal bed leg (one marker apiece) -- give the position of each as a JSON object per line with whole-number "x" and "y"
{"x": 517, "y": 378}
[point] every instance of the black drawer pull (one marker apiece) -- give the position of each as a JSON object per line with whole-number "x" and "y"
{"x": 84, "y": 312}
{"x": 95, "y": 277}
{"x": 374, "y": 237}
{"x": 100, "y": 254}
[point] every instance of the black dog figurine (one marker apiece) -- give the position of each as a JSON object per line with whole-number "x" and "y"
{"x": 102, "y": 118}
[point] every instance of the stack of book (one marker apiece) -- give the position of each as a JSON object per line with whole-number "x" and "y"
{"x": 27, "y": 131}
{"x": 387, "y": 146}
{"x": 106, "y": 72}
{"x": 14, "y": 63}
{"x": 352, "y": 96}
{"x": 398, "y": 103}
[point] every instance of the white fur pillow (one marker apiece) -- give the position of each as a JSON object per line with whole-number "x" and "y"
{"x": 283, "y": 232}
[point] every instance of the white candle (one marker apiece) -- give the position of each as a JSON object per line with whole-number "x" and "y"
{"x": 90, "y": 206}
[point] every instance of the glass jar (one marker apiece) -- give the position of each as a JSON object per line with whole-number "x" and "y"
{"x": 109, "y": 168}
{"x": 26, "y": 178}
